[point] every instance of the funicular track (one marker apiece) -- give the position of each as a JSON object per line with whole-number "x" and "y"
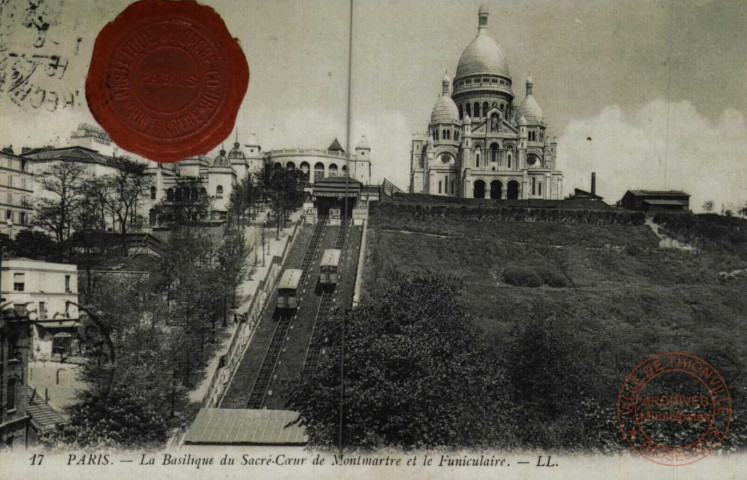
{"x": 264, "y": 377}
{"x": 325, "y": 306}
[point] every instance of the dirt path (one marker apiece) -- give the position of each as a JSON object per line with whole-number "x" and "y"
{"x": 666, "y": 241}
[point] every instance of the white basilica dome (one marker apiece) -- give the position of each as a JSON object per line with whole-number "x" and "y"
{"x": 482, "y": 56}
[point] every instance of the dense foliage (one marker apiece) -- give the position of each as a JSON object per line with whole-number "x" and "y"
{"x": 417, "y": 375}
{"x": 120, "y": 418}
{"x": 711, "y": 231}
{"x": 149, "y": 337}
{"x": 568, "y": 349}
{"x": 283, "y": 189}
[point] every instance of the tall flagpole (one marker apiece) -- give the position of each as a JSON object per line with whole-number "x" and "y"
{"x": 342, "y": 224}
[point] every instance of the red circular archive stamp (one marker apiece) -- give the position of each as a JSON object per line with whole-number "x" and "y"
{"x": 674, "y": 409}
{"x": 167, "y": 79}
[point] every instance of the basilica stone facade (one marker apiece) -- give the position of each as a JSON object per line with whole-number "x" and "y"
{"x": 482, "y": 142}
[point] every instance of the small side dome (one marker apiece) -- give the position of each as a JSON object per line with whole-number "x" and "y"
{"x": 445, "y": 111}
{"x": 522, "y": 121}
{"x": 221, "y": 160}
{"x": 467, "y": 120}
{"x": 236, "y": 153}
{"x": 529, "y": 108}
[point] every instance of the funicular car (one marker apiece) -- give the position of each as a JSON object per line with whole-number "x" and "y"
{"x": 288, "y": 289}
{"x": 328, "y": 267}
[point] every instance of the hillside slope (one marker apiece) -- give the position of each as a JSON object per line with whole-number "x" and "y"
{"x": 625, "y": 297}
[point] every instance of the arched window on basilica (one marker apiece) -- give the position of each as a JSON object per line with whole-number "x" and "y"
{"x": 219, "y": 191}
{"x": 468, "y": 109}
{"x": 477, "y": 156}
{"x": 477, "y": 110}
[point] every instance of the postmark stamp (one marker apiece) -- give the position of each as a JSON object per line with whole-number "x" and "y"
{"x": 167, "y": 79}
{"x": 674, "y": 409}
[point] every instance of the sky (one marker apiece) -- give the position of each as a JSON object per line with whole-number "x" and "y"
{"x": 648, "y": 94}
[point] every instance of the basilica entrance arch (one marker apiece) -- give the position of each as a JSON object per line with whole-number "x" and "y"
{"x": 479, "y": 191}
{"x": 513, "y": 190}
{"x": 496, "y": 188}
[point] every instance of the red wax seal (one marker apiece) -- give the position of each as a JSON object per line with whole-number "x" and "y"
{"x": 167, "y": 79}
{"x": 674, "y": 409}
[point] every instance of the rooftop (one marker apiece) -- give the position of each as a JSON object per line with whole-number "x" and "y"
{"x": 336, "y": 147}
{"x": 658, "y": 193}
{"x": 291, "y": 278}
{"x": 68, "y": 153}
{"x": 246, "y": 427}
{"x": 42, "y": 415}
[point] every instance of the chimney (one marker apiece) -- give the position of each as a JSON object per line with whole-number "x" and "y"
{"x": 593, "y": 183}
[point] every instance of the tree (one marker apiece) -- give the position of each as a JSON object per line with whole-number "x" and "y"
{"x": 56, "y": 210}
{"x": 562, "y": 399}
{"x": 743, "y": 210}
{"x": 195, "y": 292}
{"x": 186, "y": 204}
{"x": 90, "y": 241}
{"x": 284, "y": 190}
{"x": 122, "y": 191}
{"x": 35, "y": 245}
{"x": 243, "y": 197}
{"x": 708, "y": 206}
{"x": 125, "y": 340}
{"x": 417, "y": 375}
{"x": 232, "y": 255}
{"x": 121, "y": 419}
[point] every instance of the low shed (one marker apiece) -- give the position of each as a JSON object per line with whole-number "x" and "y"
{"x": 232, "y": 426}
{"x": 656, "y": 200}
